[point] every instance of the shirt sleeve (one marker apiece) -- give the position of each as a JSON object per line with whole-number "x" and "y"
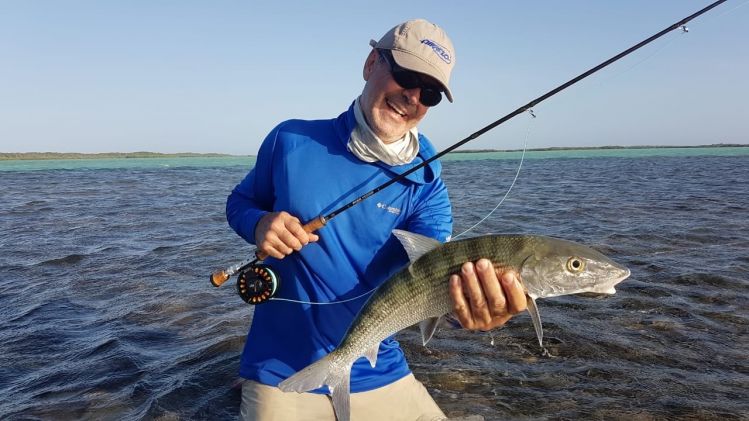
{"x": 252, "y": 198}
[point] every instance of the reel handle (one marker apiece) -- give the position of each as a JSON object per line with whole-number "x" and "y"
{"x": 219, "y": 277}
{"x": 309, "y": 227}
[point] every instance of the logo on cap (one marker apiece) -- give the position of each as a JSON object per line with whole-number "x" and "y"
{"x": 438, "y": 49}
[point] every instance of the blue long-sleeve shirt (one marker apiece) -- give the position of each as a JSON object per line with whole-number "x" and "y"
{"x": 304, "y": 168}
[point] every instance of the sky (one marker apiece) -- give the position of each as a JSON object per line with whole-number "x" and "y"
{"x": 217, "y": 76}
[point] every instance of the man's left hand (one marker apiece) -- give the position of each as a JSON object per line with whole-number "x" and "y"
{"x": 484, "y": 297}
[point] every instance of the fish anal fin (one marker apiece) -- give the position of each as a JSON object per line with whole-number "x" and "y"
{"x": 416, "y": 245}
{"x": 428, "y": 327}
{"x": 536, "y": 318}
{"x": 371, "y": 354}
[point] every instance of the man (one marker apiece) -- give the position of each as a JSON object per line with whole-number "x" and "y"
{"x": 308, "y": 168}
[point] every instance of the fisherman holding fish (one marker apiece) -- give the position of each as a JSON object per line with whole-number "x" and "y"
{"x": 307, "y": 167}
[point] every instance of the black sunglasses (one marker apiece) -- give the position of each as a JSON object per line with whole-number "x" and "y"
{"x": 431, "y": 95}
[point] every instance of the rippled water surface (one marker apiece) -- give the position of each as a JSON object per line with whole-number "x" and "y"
{"x": 107, "y": 312}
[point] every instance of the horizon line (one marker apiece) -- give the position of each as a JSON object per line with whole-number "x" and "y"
{"x": 147, "y": 154}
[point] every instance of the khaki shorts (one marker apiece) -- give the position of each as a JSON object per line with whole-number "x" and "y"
{"x": 406, "y": 399}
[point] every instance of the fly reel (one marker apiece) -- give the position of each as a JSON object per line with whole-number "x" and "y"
{"x": 257, "y": 283}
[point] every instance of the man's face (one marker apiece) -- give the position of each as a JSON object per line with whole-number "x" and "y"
{"x": 390, "y": 110}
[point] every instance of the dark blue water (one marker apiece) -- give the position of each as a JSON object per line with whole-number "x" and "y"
{"x": 106, "y": 311}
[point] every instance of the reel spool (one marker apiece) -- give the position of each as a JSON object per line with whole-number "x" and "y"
{"x": 257, "y": 283}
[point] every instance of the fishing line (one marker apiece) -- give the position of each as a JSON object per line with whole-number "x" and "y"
{"x": 331, "y": 302}
{"x": 716, "y": 16}
{"x": 258, "y": 283}
{"x": 603, "y": 80}
{"x": 644, "y": 59}
{"x": 684, "y": 29}
{"x": 517, "y": 174}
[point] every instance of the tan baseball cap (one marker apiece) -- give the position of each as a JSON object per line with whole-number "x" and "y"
{"x": 423, "y": 47}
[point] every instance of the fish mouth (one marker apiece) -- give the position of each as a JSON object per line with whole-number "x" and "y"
{"x": 609, "y": 289}
{"x": 625, "y": 275}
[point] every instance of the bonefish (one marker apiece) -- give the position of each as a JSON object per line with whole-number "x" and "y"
{"x": 419, "y": 293}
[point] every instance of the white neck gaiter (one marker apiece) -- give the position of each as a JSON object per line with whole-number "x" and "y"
{"x": 369, "y": 148}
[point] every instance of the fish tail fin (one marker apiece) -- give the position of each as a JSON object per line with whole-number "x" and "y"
{"x": 324, "y": 372}
{"x": 342, "y": 397}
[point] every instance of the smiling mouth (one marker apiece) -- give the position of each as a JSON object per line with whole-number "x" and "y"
{"x": 395, "y": 109}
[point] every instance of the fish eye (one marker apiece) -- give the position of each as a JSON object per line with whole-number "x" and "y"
{"x": 575, "y": 265}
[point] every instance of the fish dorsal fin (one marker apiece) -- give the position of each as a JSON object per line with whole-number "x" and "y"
{"x": 416, "y": 245}
{"x": 371, "y": 354}
{"x": 536, "y": 317}
{"x": 428, "y": 327}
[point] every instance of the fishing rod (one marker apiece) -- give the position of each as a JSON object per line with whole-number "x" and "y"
{"x": 257, "y": 282}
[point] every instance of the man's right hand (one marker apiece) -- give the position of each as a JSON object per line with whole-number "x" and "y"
{"x": 279, "y": 234}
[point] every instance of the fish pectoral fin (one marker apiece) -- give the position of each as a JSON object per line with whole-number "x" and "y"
{"x": 536, "y": 318}
{"x": 371, "y": 354}
{"x": 428, "y": 327}
{"x": 416, "y": 245}
{"x": 341, "y": 397}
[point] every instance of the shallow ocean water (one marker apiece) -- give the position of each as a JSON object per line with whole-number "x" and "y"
{"x": 107, "y": 312}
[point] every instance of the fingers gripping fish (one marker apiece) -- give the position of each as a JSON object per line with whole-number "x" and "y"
{"x": 419, "y": 293}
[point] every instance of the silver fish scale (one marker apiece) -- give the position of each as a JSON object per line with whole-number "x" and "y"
{"x": 421, "y": 291}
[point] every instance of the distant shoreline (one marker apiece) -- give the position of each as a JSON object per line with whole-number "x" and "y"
{"x": 125, "y": 155}
{"x": 599, "y": 148}
{"x": 105, "y": 155}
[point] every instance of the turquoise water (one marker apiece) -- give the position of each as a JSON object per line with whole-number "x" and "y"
{"x": 249, "y": 161}
{"x": 602, "y": 153}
